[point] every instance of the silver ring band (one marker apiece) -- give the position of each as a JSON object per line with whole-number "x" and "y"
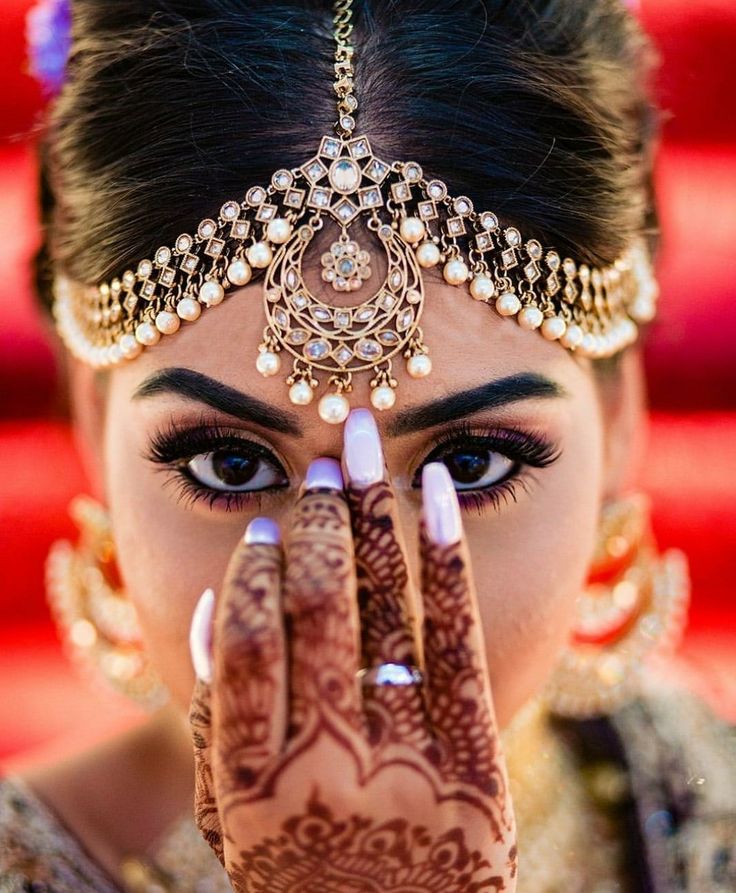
{"x": 390, "y": 674}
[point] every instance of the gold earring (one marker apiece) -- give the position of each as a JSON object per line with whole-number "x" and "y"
{"x": 98, "y": 623}
{"x": 634, "y": 605}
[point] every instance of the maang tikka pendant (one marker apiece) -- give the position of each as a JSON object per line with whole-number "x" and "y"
{"x": 343, "y": 182}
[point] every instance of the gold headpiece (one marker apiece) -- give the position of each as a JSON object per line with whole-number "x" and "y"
{"x": 593, "y": 311}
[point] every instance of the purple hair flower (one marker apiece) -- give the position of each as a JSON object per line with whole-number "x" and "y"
{"x": 49, "y": 37}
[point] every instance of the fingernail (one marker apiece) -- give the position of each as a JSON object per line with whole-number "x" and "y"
{"x": 441, "y": 508}
{"x": 262, "y": 530}
{"x": 324, "y": 473}
{"x": 363, "y": 453}
{"x": 200, "y": 636}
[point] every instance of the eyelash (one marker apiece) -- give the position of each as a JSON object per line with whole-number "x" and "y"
{"x": 174, "y": 446}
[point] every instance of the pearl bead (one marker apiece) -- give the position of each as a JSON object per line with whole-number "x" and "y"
{"x": 588, "y": 345}
{"x": 114, "y": 354}
{"x": 412, "y": 230}
{"x": 553, "y": 328}
{"x": 239, "y": 272}
{"x": 211, "y": 293}
{"x": 419, "y": 365}
{"x": 428, "y": 255}
{"x": 259, "y": 255}
{"x": 482, "y": 288}
{"x": 508, "y": 304}
{"x": 530, "y": 318}
{"x": 301, "y": 393}
{"x": 129, "y": 346}
{"x": 146, "y": 333}
{"x": 455, "y": 272}
{"x": 189, "y": 309}
{"x": 572, "y": 337}
{"x": 333, "y": 409}
{"x": 167, "y": 323}
{"x": 278, "y": 230}
{"x": 383, "y": 397}
{"x": 268, "y": 363}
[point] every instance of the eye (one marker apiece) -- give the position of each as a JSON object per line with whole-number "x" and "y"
{"x": 228, "y": 470}
{"x": 477, "y": 468}
{"x": 488, "y": 465}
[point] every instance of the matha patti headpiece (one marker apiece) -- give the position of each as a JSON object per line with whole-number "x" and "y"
{"x": 592, "y": 311}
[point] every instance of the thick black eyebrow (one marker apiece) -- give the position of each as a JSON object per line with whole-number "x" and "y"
{"x": 198, "y": 386}
{"x": 521, "y": 386}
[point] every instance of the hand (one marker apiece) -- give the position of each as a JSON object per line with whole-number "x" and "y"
{"x": 308, "y": 780}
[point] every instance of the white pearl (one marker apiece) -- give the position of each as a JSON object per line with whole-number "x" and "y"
{"x": 530, "y": 318}
{"x": 428, "y": 255}
{"x": 189, "y": 309}
{"x": 167, "y": 323}
{"x": 383, "y": 397}
{"x": 482, "y": 288}
{"x": 301, "y": 393}
{"x": 412, "y": 230}
{"x": 259, "y": 255}
{"x": 146, "y": 333}
{"x": 419, "y": 365}
{"x": 553, "y": 328}
{"x": 455, "y": 271}
{"x": 114, "y": 353}
{"x": 239, "y": 272}
{"x": 333, "y": 408}
{"x": 278, "y": 230}
{"x": 211, "y": 293}
{"x": 587, "y": 346}
{"x": 508, "y": 304}
{"x": 572, "y": 337}
{"x": 268, "y": 363}
{"x": 129, "y": 346}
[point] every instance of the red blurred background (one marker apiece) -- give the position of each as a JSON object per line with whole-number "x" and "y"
{"x": 690, "y": 360}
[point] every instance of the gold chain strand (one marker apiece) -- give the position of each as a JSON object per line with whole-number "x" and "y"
{"x": 347, "y": 104}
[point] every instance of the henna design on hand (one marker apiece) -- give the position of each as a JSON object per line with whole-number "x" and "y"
{"x": 466, "y": 752}
{"x": 393, "y": 713}
{"x": 205, "y": 803}
{"x": 317, "y": 852}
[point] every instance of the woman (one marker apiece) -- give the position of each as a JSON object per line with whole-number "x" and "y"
{"x": 402, "y": 558}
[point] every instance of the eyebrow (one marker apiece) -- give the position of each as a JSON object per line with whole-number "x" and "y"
{"x": 198, "y": 386}
{"x": 492, "y": 394}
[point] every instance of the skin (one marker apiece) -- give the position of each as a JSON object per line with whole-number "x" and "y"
{"x": 529, "y": 558}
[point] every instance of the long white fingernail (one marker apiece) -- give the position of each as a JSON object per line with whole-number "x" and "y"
{"x": 200, "y": 636}
{"x": 362, "y": 445}
{"x": 441, "y": 508}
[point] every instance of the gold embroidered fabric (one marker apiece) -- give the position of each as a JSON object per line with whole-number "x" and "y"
{"x": 682, "y": 771}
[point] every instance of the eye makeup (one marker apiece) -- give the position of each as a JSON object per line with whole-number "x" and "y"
{"x": 230, "y": 471}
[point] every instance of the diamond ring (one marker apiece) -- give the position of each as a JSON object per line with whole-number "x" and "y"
{"x": 390, "y": 674}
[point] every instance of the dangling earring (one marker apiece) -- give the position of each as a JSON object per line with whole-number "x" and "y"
{"x": 634, "y": 605}
{"x": 98, "y": 623}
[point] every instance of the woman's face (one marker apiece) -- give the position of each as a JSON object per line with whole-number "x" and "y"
{"x": 518, "y": 420}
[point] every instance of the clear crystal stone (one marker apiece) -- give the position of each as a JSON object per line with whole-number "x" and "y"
{"x": 437, "y": 189}
{"x": 281, "y": 317}
{"x": 368, "y": 349}
{"x": 406, "y": 318}
{"x": 387, "y": 302}
{"x": 343, "y": 355}
{"x": 299, "y": 301}
{"x": 255, "y": 195}
{"x": 321, "y": 314}
{"x": 230, "y": 210}
{"x": 397, "y": 279}
{"x": 163, "y": 256}
{"x": 297, "y": 336}
{"x": 292, "y": 280}
{"x": 488, "y": 220}
{"x": 513, "y": 237}
{"x": 388, "y": 338}
{"x": 366, "y": 314}
{"x": 183, "y": 243}
{"x": 316, "y": 350}
{"x": 207, "y": 229}
{"x": 342, "y": 318}
{"x": 344, "y": 175}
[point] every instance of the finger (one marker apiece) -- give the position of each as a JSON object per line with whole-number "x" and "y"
{"x": 200, "y": 722}
{"x": 386, "y": 599}
{"x": 249, "y": 687}
{"x": 457, "y": 681}
{"x": 319, "y": 596}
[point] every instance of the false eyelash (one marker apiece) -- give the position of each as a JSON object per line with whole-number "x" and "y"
{"x": 526, "y": 448}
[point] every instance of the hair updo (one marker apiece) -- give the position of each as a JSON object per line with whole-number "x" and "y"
{"x": 537, "y": 109}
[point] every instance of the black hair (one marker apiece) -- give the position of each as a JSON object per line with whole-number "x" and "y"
{"x": 539, "y": 110}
